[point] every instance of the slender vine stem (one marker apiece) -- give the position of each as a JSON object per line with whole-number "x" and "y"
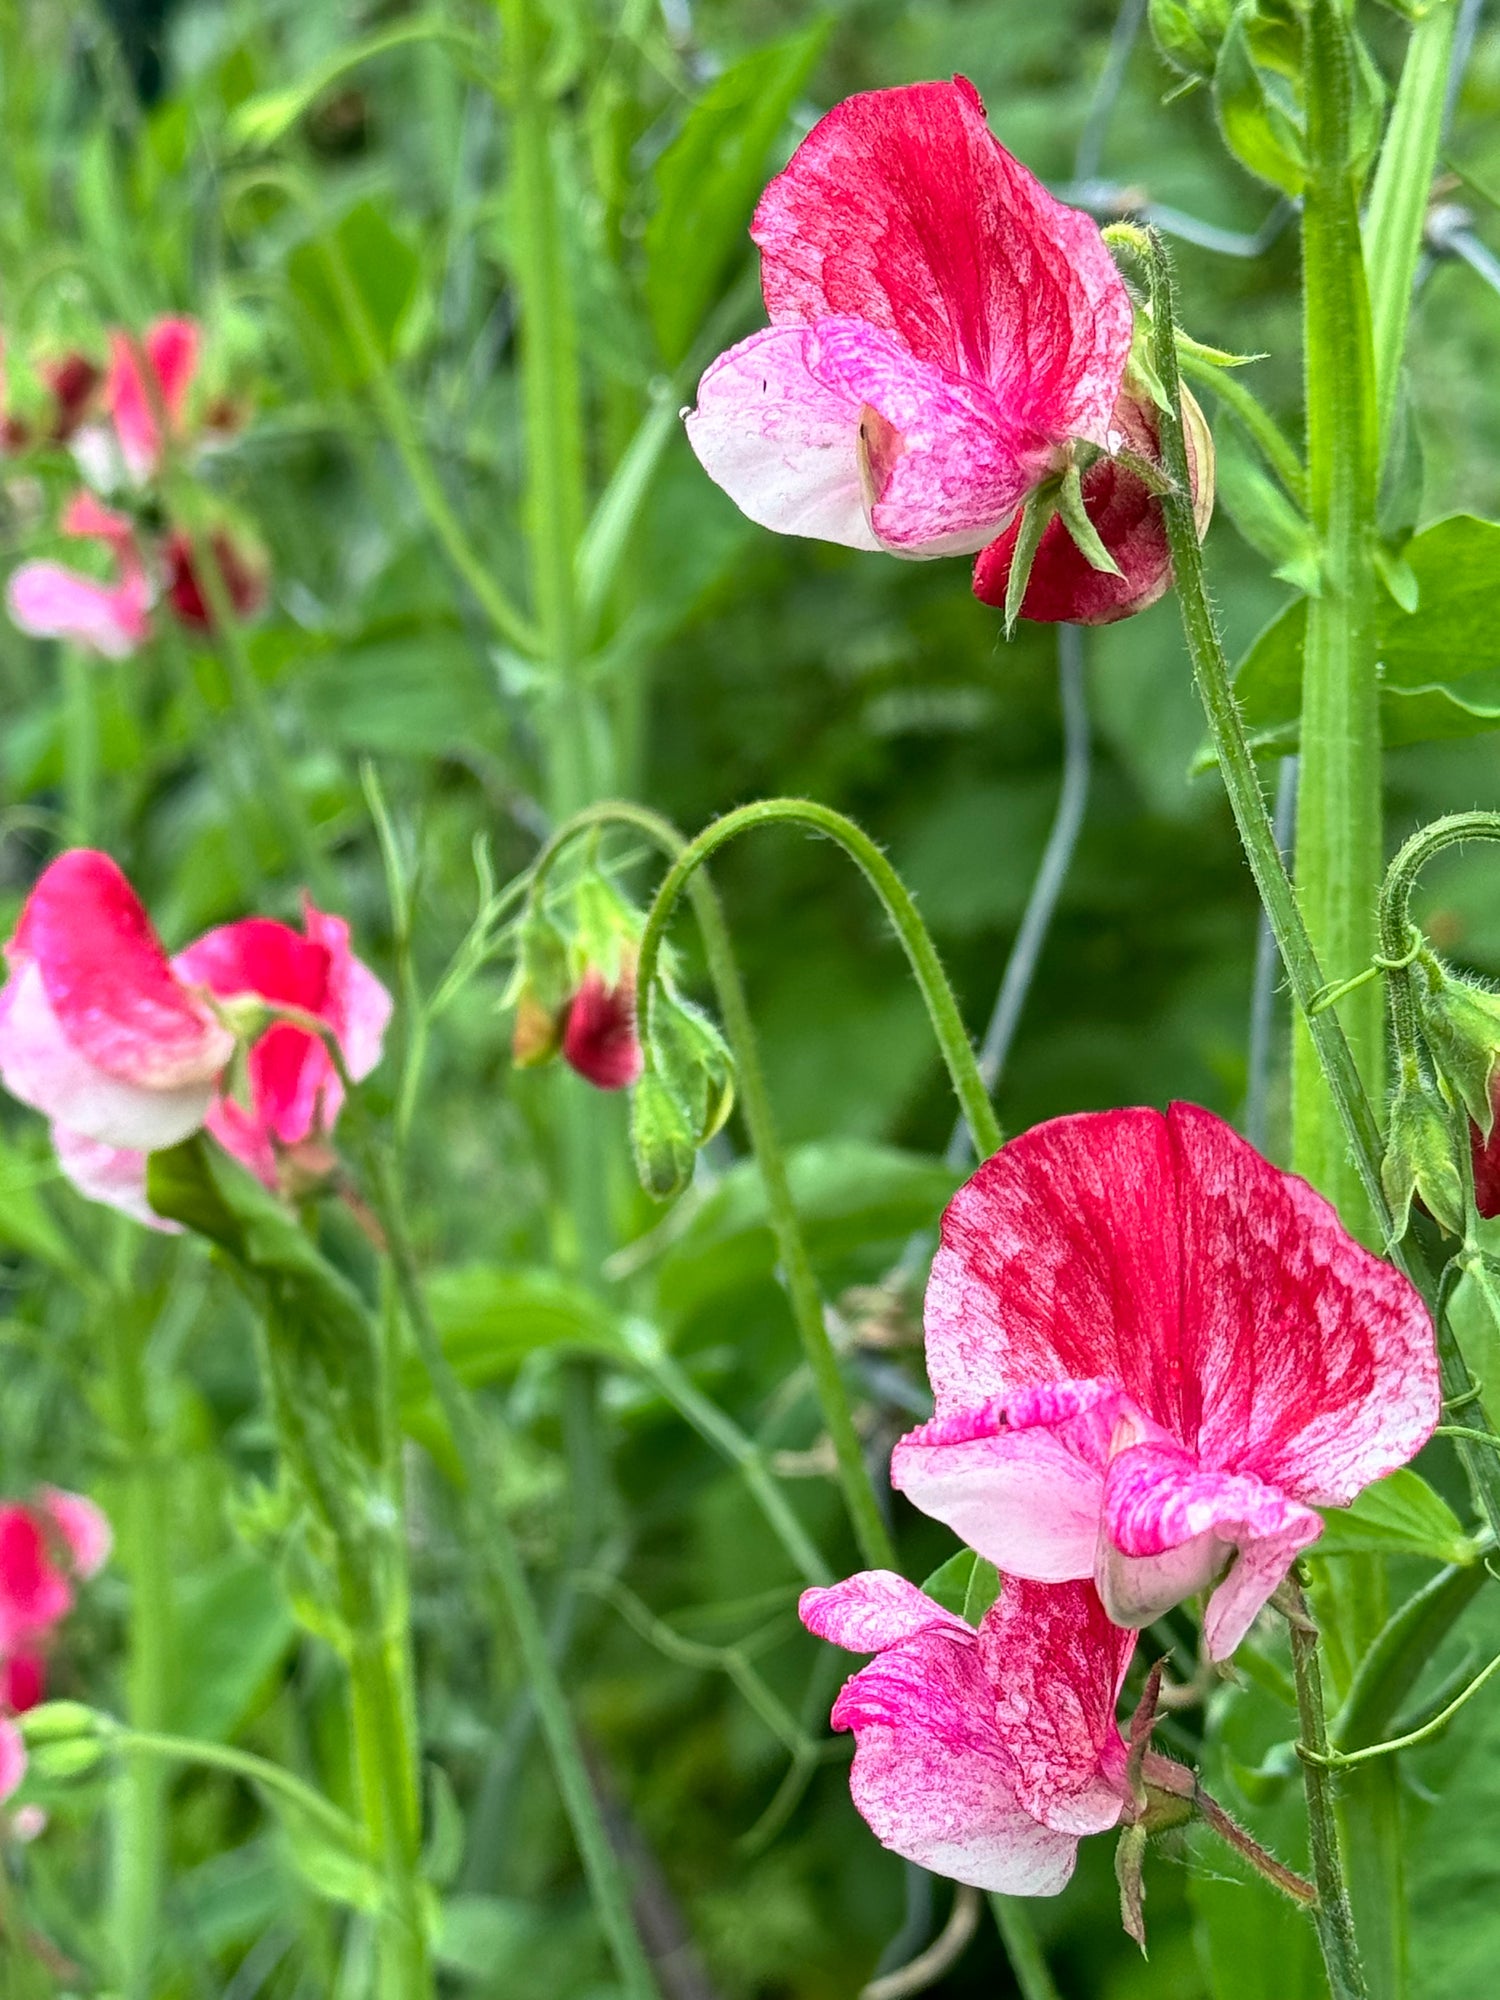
{"x": 760, "y": 1124}
{"x": 1339, "y": 841}
{"x": 1012, "y": 1916}
{"x": 1332, "y": 1916}
{"x": 1254, "y": 419}
{"x": 80, "y": 746}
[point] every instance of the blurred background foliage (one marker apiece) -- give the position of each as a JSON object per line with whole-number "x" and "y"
{"x": 723, "y": 664}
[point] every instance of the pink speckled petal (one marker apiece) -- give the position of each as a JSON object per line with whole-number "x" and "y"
{"x": 872, "y": 1610}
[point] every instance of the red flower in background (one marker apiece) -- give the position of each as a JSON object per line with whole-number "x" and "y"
{"x": 1153, "y": 1356}
{"x": 244, "y": 581}
{"x": 942, "y": 329}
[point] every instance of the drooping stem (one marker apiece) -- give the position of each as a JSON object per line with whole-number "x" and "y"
{"x": 1339, "y": 841}
{"x": 145, "y": 1544}
{"x": 1332, "y": 1917}
{"x": 760, "y": 1124}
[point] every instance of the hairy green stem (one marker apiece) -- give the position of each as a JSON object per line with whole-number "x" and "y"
{"x": 1397, "y": 212}
{"x": 1339, "y": 840}
{"x": 385, "y": 1760}
{"x": 1332, "y": 1917}
{"x": 760, "y": 1124}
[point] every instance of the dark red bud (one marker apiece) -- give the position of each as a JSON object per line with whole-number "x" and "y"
{"x": 599, "y": 1035}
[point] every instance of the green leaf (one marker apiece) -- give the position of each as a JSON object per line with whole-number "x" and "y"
{"x": 1256, "y": 112}
{"x": 949, "y": 1583}
{"x": 419, "y": 693}
{"x": 1261, "y": 510}
{"x": 26, "y": 1223}
{"x": 708, "y": 179}
{"x": 334, "y": 1868}
{"x": 1440, "y": 663}
{"x": 1398, "y": 1515}
{"x": 384, "y": 270}
{"x": 234, "y": 1627}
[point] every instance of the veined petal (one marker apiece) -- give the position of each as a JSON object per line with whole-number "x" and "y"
{"x": 900, "y": 208}
{"x": 878, "y": 1608}
{"x": 109, "y": 988}
{"x": 783, "y": 445}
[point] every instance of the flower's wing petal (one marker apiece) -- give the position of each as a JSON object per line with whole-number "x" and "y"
{"x": 1057, "y": 1663}
{"x": 359, "y": 1007}
{"x": 929, "y": 1774}
{"x": 44, "y": 1067}
{"x": 1059, "y": 1260}
{"x": 109, "y": 985}
{"x": 115, "y": 1175}
{"x": 942, "y": 467}
{"x": 1170, "y": 1525}
{"x": 1027, "y": 1500}
{"x": 292, "y": 1080}
{"x": 51, "y": 602}
{"x": 900, "y": 208}
{"x": 1314, "y": 1360}
{"x": 783, "y": 445}
{"x": 83, "y": 1526}
{"x": 245, "y": 1134}
{"x": 874, "y": 1609}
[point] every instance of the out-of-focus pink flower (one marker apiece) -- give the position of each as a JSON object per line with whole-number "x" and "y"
{"x": 52, "y": 602}
{"x": 244, "y": 580}
{"x": 23, "y": 1682}
{"x": 598, "y": 1037}
{"x": 1153, "y": 1355}
{"x": 12, "y": 1758}
{"x": 42, "y": 1549}
{"x": 170, "y": 347}
{"x": 941, "y": 329}
{"x": 295, "y": 1092}
{"x": 96, "y": 1029}
{"x": 1064, "y": 587}
{"x": 983, "y": 1755}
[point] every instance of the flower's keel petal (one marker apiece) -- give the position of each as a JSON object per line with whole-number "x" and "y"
{"x": 872, "y": 1610}
{"x": 782, "y": 443}
{"x": 1024, "y": 1499}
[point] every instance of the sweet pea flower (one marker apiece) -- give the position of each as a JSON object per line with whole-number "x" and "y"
{"x": 1153, "y": 1356}
{"x": 52, "y": 602}
{"x": 126, "y": 448}
{"x": 294, "y": 1092}
{"x": 942, "y": 330}
{"x": 44, "y": 1550}
{"x": 1063, "y": 587}
{"x": 96, "y": 1029}
{"x": 598, "y": 1035}
{"x": 983, "y": 1755}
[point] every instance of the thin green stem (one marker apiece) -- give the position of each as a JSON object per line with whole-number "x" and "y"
{"x": 1397, "y": 211}
{"x": 271, "y": 1778}
{"x": 1275, "y": 446}
{"x": 1023, "y": 1948}
{"x": 1339, "y": 839}
{"x": 1333, "y": 1918}
{"x": 137, "y": 1871}
{"x": 502, "y": 1558}
{"x": 80, "y": 746}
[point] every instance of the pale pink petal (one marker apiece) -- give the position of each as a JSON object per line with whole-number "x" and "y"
{"x": 930, "y": 1774}
{"x": 901, "y": 209}
{"x": 944, "y": 466}
{"x": 86, "y": 517}
{"x": 246, "y": 1136}
{"x": 783, "y": 445}
{"x": 12, "y": 1758}
{"x": 109, "y": 985}
{"x": 1024, "y": 1499}
{"x": 359, "y": 1006}
{"x": 51, "y": 602}
{"x": 44, "y": 1068}
{"x": 1314, "y": 1360}
{"x": 874, "y": 1609}
{"x": 1057, "y": 1664}
{"x": 83, "y": 1526}
{"x": 115, "y": 1175}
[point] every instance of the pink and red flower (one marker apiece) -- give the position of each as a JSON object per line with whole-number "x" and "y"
{"x": 942, "y": 329}
{"x": 44, "y": 1550}
{"x": 1153, "y": 1356}
{"x": 983, "y": 1755}
{"x": 53, "y": 602}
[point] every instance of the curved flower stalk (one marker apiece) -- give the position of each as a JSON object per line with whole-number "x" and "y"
{"x": 984, "y": 1755}
{"x": 1153, "y": 1356}
{"x": 127, "y": 1051}
{"x": 943, "y": 333}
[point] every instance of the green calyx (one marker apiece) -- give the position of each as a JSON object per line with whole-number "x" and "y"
{"x": 1420, "y": 1161}
{"x": 1461, "y": 1026}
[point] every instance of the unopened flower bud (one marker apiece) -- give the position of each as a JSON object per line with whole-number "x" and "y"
{"x": 1188, "y": 33}
{"x": 598, "y": 1035}
{"x": 241, "y": 572}
{"x": 660, "y": 1139}
{"x": 1419, "y": 1160}
{"x": 1461, "y": 1026}
{"x": 694, "y": 1061}
{"x": 1063, "y": 586}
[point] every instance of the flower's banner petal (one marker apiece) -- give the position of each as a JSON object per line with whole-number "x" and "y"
{"x": 1027, "y": 1500}
{"x": 43, "y": 1067}
{"x": 1057, "y": 1663}
{"x": 262, "y": 957}
{"x": 171, "y": 350}
{"x": 109, "y": 986}
{"x": 929, "y": 1772}
{"x": 901, "y": 209}
{"x": 872, "y": 1610}
{"x": 115, "y": 1175}
{"x": 783, "y": 445}
{"x": 942, "y": 465}
{"x": 1171, "y": 1527}
{"x": 51, "y": 602}
{"x": 1313, "y": 1361}
{"x": 83, "y": 1526}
